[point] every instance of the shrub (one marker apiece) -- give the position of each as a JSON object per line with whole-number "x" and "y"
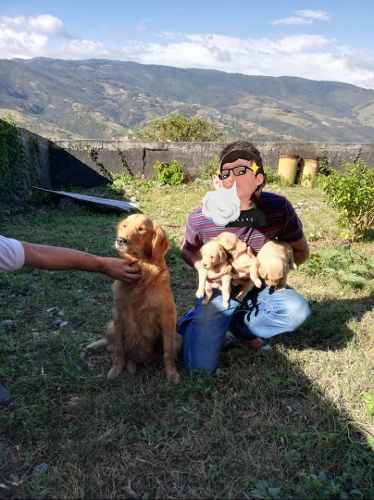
{"x": 169, "y": 173}
{"x": 342, "y": 263}
{"x": 126, "y": 184}
{"x": 17, "y": 172}
{"x": 209, "y": 168}
{"x": 271, "y": 176}
{"x": 351, "y": 192}
{"x": 324, "y": 167}
{"x": 180, "y": 128}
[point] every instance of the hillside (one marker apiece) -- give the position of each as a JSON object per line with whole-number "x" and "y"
{"x": 110, "y": 99}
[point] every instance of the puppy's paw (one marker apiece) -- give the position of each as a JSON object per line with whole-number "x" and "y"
{"x": 258, "y": 283}
{"x": 173, "y": 376}
{"x": 199, "y": 294}
{"x": 114, "y": 372}
{"x": 226, "y": 304}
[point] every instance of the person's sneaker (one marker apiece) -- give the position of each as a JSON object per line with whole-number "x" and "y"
{"x": 230, "y": 341}
{"x": 256, "y": 344}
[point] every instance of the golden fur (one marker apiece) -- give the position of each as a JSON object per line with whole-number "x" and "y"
{"x": 144, "y": 312}
{"x": 275, "y": 260}
{"x": 243, "y": 261}
{"x": 214, "y": 272}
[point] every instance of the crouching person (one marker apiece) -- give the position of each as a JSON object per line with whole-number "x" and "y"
{"x": 240, "y": 205}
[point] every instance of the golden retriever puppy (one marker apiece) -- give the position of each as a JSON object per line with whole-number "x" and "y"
{"x": 144, "y": 313}
{"x": 275, "y": 260}
{"x": 214, "y": 272}
{"x": 243, "y": 261}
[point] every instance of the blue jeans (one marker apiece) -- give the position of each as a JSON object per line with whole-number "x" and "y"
{"x": 263, "y": 313}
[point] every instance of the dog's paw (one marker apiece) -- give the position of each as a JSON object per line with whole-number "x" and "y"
{"x": 199, "y": 294}
{"x": 258, "y": 283}
{"x": 114, "y": 372}
{"x": 226, "y": 304}
{"x": 173, "y": 376}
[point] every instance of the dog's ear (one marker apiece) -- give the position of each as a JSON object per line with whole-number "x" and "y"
{"x": 291, "y": 261}
{"x": 222, "y": 254}
{"x": 241, "y": 246}
{"x": 160, "y": 243}
{"x": 262, "y": 272}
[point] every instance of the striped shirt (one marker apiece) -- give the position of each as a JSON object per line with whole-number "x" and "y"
{"x": 282, "y": 224}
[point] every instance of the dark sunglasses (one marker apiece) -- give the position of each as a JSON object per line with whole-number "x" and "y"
{"x": 240, "y": 170}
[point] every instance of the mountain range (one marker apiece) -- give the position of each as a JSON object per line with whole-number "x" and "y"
{"x": 104, "y": 99}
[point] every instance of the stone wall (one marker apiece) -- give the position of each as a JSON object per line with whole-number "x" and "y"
{"x": 68, "y": 163}
{"x": 140, "y": 156}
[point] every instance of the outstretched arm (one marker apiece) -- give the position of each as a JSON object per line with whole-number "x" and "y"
{"x": 59, "y": 258}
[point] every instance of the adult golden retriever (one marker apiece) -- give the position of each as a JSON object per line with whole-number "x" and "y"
{"x": 144, "y": 313}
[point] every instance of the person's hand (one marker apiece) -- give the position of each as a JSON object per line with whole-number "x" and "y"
{"x": 120, "y": 269}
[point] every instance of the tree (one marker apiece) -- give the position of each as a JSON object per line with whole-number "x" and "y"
{"x": 181, "y": 128}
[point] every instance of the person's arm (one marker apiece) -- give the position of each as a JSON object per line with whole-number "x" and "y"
{"x": 293, "y": 234}
{"x": 59, "y": 258}
{"x": 190, "y": 256}
{"x": 300, "y": 250}
{"x": 191, "y": 244}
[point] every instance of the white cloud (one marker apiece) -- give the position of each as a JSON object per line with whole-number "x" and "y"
{"x": 292, "y": 20}
{"x": 80, "y": 48}
{"x": 302, "y": 17}
{"x": 298, "y": 43}
{"x": 318, "y": 15}
{"x": 45, "y": 24}
{"x": 307, "y": 56}
{"x": 304, "y": 55}
{"x": 27, "y": 36}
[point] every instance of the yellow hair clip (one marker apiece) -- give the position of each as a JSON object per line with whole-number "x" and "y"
{"x": 254, "y": 167}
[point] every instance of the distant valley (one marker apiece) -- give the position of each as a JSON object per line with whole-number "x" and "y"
{"x": 103, "y": 99}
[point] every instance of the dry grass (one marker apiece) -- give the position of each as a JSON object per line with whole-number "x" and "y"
{"x": 292, "y": 423}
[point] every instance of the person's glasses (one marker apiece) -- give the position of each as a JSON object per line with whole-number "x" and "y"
{"x": 240, "y": 170}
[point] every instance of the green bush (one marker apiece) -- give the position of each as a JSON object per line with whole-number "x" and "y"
{"x": 209, "y": 168}
{"x": 351, "y": 192}
{"x": 171, "y": 174}
{"x": 17, "y": 172}
{"x": 180, "y": 128}
{"x": 124, "y": 184}
{"x": 343, "y": 264}
{"x": 271, "y": 176}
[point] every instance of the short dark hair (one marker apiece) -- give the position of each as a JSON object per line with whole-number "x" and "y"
{"x": 248, "y": 147}
{"x": 251, "y": 153}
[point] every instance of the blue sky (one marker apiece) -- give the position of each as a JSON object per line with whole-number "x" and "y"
{"x": 318, "y": 40}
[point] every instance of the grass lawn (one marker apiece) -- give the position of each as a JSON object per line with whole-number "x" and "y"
{"x": 296, "y": 422}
